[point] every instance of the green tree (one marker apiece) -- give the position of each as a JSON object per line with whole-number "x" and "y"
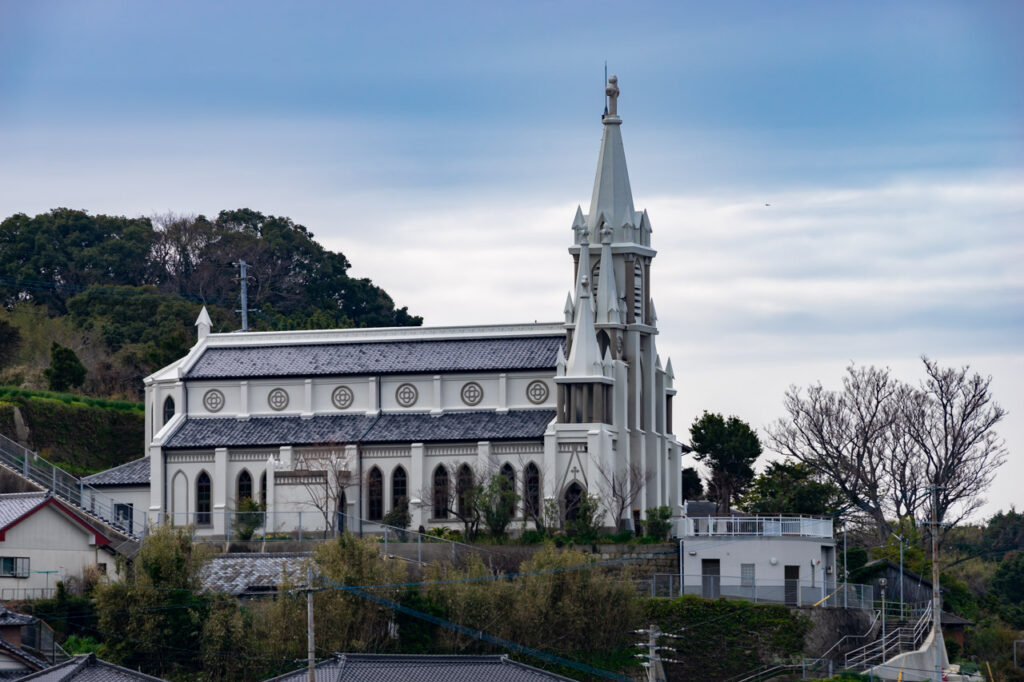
{"x": 659, "y": 522}
{"x": 153, "y": 620}
{"x": 729, "y": 447}
{"x": 693, "y": 487}
{"x": 10, "y": 342}
{"x": 497, "y": 501}
{"x": 790, "y": 488}
{"x": 65, "y": 370}
{"x": 1008, "y": 588}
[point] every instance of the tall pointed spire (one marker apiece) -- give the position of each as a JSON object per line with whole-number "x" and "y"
{"x": 585, "y": 354}
{"x": 607, "y": 292}
{"x": 612, "y": 195}
{"x": 583, "y": 270}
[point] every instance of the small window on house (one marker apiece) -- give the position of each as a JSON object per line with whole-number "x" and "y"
{"x": 168, "y": 409}
{"x": 123, "y": 513}
{"x": 440, "y": 493}
{"x": 14, "y": 567}
{"x": 375, "y": 495}
{"x": 244, "y": 487}
{"x": 204, "y": 516}
{"x": 399, "y": 487}
{"x": 746, "y": 575}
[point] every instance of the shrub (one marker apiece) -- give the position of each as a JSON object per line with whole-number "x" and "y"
{"x": 658, "y": 522}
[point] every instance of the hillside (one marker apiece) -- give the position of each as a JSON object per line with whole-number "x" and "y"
{"x": 123, "y": 293}
{"x": 80, "y": 434}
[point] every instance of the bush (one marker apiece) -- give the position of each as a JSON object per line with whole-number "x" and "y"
{"x": 65, "y": 370}
{"x": 658, "y": 523}
{"x": 248, "y": 518}
{"x": 399, "y": 517}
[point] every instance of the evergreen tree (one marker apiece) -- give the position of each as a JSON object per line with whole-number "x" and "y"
{"x": 65, "y": 370}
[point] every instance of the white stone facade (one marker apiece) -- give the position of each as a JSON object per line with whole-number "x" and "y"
{"x": 313, "y": 419}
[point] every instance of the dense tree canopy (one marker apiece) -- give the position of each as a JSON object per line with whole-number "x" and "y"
{"x": 137, "y": 284}
{"x": 791, "y": 488}
{"x": 729, "y": 447}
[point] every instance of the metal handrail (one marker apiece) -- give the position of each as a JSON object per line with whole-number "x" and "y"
{"x": 69, "y": 488}
{"x": 761, "y": 526}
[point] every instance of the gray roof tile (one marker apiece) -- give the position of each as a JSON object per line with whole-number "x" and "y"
{"x": 386, "y": 428}
{"x": 237, "y": 574}
{"x": 15, "y": 505}
{"x": 379, "y": 357}
{"x": 135, "y": 472}
{"x": 421, "y": 668}
{"x": 8, "y": 617}
{"x": 88, "y": 668}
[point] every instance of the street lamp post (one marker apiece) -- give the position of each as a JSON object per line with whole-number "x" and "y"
{"x": 881, "y": 583}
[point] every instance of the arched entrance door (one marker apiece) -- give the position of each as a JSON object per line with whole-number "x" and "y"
{"x": 573, "y": 496}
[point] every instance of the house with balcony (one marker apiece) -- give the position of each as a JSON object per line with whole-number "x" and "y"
{"x": 781, "y": 559}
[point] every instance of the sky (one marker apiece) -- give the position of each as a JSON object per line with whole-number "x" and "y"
{"x": 828, "y": 183}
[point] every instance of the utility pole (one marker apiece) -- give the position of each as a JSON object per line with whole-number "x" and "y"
{"x": 243, "y": 278}
{"x": 936, "y": 594}
{"x": 310, "y": 649}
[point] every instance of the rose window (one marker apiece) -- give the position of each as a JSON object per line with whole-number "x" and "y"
{"x": 472, "y": 393}
{"x": 278, "y": 399}
{"x": 213, "y": 400}
{"x": 342, "y": 397}
{"x": 407, "y": 395}
{"x": 537, "y": 392}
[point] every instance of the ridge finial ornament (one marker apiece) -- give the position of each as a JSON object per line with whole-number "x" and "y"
{"x": 612, "y": 91}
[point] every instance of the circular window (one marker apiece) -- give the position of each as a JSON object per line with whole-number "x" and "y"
{"x": 277, "y": 399}
{"x": 213, "y": 400}
{"x": 407, "y": 395}
{"x": 342, "y": 397}
{"x": 537, "y": 392}
{"x": 472, "y": 393}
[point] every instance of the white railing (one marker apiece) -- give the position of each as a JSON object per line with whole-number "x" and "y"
{"x": 761, "y": 526}
{"x": 896, "y": 641}
{"x": 796, "y": 592}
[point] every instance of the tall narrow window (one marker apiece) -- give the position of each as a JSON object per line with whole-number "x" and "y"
{"x": 509, "y": 474}
{"x": 440, "y": 493}
{"x": 531, "y": 490}
{"x": 263, "y": 488}
{"x": 168, "y": 409}
{"x": 399, "y": 487}
{"x": 375, "y": 495}
{"x": 244, "y": 491}
{"x": 573, "y": 496}
{"x": 204, "y": 517}
{"x": 464, "y": 490}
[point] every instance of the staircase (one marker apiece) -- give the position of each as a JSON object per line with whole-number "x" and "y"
{"x": 901, "y": 637}
{"x": 97, "y": 506}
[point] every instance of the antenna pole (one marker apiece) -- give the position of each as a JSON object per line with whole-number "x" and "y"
{"x": 245, "y": 296}
{"x": 310, "y": 650}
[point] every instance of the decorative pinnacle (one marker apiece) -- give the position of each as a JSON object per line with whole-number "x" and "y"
{"x": 612, "y": 91}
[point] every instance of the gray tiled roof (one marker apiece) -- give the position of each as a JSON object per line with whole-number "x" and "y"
{"x": 135, "y": 472}
{"x": 31, "y": 660}
{"x": 88, "y": 668}
{"x": 379, "y": 357}
{"x": 386, "y": 428}
{"x": 15, "y": 505}
{"x": 421, "y": 668}
{"x": 237, "y": 574}
{"x": 8, "y": 617}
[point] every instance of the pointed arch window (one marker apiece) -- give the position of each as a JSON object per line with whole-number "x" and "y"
{"x": 531, "y": 490}
{"x": 440, "y": 493}
{"x": 509, "y": 474}
{"x": 168, "y": 409}
{"x": 464, "y": 490}
{"x": 573, "y": 498}
{"x": 263, "y": 488}
{"x": 375, "y": 495}
{"x": 244, "y": 487}
{"x": 638, "y": 291}
{"x": 204, "y": 515}
{"x": 399, "y": 487}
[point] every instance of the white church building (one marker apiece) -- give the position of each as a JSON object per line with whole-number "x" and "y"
{"x": 314, "y": 423}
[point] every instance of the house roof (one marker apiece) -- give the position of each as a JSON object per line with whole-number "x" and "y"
{"x": 378, "y": 357}
{"x": 135, "y": 472}
{"x": 16, "y": 507}
{"x": 88, "y": 668}
{"x": 8, "y": 617}
{"x": 421, "y": 668}
{"x": 238, "y": 574}
{"x": 385, "y": 428}
{"x": 30, "y": 661}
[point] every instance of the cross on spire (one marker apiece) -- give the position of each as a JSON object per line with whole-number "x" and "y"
{"x": 612, "y": 90}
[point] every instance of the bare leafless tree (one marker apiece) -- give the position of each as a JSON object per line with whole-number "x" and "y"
{"x": 459, "y": 495}
{"x": 845, "y": 435}
{"x": 882, "y": 442}
{"x": 329, "y": 475}
{"x": 621, "y": 487}
{"x": 951, "y": 419}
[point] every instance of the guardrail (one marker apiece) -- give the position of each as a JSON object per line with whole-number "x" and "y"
{"x": 72, "y": 489}
{"x": 759, "y": 526}
{"x": 894, "y": 642}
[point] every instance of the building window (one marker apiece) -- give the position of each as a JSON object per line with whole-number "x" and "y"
{"x": 531, "y": 490}
{"x": 464, "y": 490}
{"x": 244, "y": 487}
{"x": 746, "y": 575}
{"x": 399, "y": 487}
{"x": 204, "y": 517}
{"x": 375, "y": 495}
{"x": 638, "y": 292}
{"x": 168, "y": 409}
{"x": 123, "y": 513}
{"x": 14, "y": 567}
{"x": 509, "y": 474}
{"x": 573, "y": 497}
{"x": 440, "y": 493}
{"x": 263, "y": 488}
